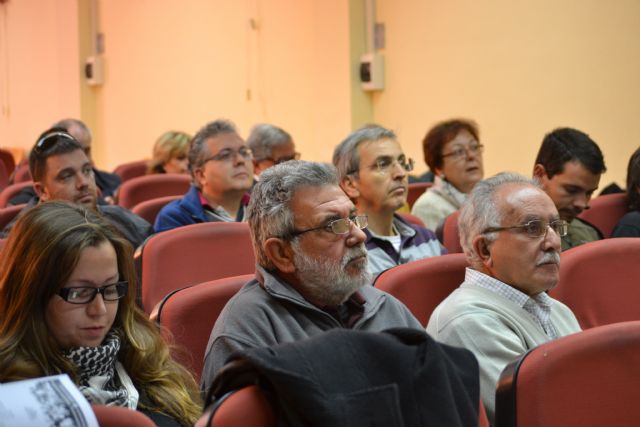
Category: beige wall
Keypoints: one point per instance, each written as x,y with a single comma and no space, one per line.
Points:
519,69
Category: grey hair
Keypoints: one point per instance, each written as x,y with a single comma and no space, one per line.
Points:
264,137
345,156
198,148
85,133
480,211
269,212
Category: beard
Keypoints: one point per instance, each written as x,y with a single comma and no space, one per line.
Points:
327,281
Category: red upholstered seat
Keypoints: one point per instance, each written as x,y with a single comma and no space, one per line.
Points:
22,173
586,379
605,211
415,190
600,280
411,219
193,254
450,234
116,416
190,313
12,190
149,209
246,407
129,170
142,188
422,285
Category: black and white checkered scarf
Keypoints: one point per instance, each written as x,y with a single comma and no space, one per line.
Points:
103,379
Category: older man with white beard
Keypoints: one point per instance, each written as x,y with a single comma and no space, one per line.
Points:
312,268
510,232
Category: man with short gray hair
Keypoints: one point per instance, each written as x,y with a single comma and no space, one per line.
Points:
312,268
222,171
374,171
510,232
270,145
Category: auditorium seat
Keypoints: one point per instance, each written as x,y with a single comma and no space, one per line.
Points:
422,285
22,173
246,407
142,188
411,219
415,190
599,281
588,379
149,209
189,315
450,234
6,158
129,170
193,254
605,211
117,416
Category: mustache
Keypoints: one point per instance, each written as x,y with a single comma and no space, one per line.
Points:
353,253
549,258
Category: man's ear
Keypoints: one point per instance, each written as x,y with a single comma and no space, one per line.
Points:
350,186
280,253
198,174
40,191
481,248
539,172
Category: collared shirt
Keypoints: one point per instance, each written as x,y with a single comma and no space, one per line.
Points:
349,312
538,306
218,213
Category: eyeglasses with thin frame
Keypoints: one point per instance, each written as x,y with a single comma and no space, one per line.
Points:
86,294
228,155
536,228
49,140
462,152
295,156
340,226
384,164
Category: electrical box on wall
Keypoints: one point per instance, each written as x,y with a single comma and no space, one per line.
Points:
94,70
372,71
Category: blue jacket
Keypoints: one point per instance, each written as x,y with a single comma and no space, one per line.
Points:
185,211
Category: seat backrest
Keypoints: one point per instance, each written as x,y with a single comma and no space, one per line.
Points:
189,315
599,281
422,285
247,407
149,209
117,416
193,254
142,188
129,170
22,173
8,161
451,235
7,214
605,211
586,379
415,190
12,190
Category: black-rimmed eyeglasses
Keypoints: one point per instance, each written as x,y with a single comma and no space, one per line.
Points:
228,154
51,139
86,294
462,152
340,226
536,228
384,164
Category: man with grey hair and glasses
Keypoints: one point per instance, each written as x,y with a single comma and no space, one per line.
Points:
312,268
270,145
222,171
374,171
510,232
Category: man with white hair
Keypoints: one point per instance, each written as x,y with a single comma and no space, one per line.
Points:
312,268
510,232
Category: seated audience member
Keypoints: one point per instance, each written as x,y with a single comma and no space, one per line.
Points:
629,225
270,145
106,182
62,171
453,152
67,298
170,153
222,171
568,167
510,233
373,172
312,268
